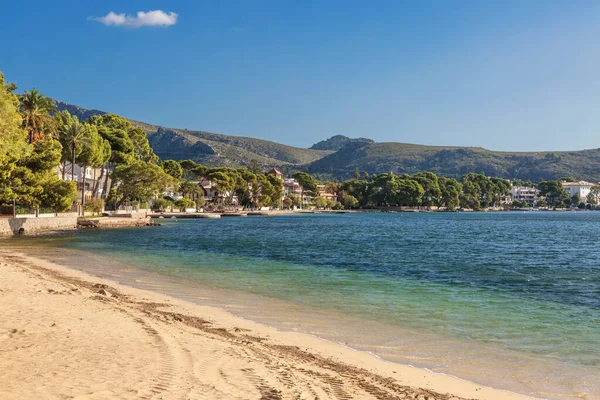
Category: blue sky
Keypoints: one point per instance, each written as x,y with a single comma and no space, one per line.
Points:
505,75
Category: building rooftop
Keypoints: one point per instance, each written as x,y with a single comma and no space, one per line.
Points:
580,183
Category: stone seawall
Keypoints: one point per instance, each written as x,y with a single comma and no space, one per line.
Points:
15,226
114,222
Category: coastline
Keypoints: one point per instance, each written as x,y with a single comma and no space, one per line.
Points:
219,355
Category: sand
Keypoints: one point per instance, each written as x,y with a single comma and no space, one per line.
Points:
65,334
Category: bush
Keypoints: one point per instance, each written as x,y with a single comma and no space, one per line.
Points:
162,204
320,202
184,203
349,201
94,205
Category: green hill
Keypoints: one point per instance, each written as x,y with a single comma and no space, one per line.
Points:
339,157
213,149
456,161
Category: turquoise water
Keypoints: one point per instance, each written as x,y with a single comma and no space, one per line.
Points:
527,284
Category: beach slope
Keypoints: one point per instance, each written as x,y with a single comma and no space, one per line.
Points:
66,334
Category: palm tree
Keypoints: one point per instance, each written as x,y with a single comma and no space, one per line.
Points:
36,109
75,135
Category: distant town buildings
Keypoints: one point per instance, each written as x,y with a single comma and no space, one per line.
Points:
94,178
581,188
525,194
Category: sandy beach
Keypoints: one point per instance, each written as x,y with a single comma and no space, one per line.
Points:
65,334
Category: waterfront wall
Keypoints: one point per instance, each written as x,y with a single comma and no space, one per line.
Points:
14,226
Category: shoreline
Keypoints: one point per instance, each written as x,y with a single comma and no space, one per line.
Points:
366,370
50,225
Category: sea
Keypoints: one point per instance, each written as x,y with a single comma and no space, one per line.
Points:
509,300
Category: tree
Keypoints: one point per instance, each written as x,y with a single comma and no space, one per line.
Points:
161,204
470,195
500,187
36,109
287,202
410,192
140,181
450,193
320,202
348,201
593,196
554,192
172,168
307,184
184,203
576,199
187,166
13,145
95,152
33,181
296,202
121,147
431,187
358,189
72,135
384,190
223,182
277,191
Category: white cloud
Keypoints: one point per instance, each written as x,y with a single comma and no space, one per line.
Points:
155,18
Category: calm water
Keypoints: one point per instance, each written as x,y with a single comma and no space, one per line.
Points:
506,299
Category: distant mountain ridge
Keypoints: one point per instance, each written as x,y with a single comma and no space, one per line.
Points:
339,156
213,149
335,143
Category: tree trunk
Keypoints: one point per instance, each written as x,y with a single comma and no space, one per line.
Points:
97,182
64,169
72,162
93,182
105,187
83,168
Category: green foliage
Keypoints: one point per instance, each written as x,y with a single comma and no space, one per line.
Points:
450,193
140,180
57,195
594,196
320,202
308,183
12,137
172,168
287,203
296,201
554,192
35,109
94,205
183,203
431,187
348,201
162,204
127,142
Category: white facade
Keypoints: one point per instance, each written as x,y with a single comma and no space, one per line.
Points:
523,193
92,177
581,188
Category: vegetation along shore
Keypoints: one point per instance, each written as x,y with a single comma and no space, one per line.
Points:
51,162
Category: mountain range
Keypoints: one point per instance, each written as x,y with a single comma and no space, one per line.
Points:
339,157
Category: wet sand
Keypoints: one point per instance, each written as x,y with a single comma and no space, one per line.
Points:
66,334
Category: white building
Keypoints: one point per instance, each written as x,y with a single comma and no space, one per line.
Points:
581,188
94,178
524,193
